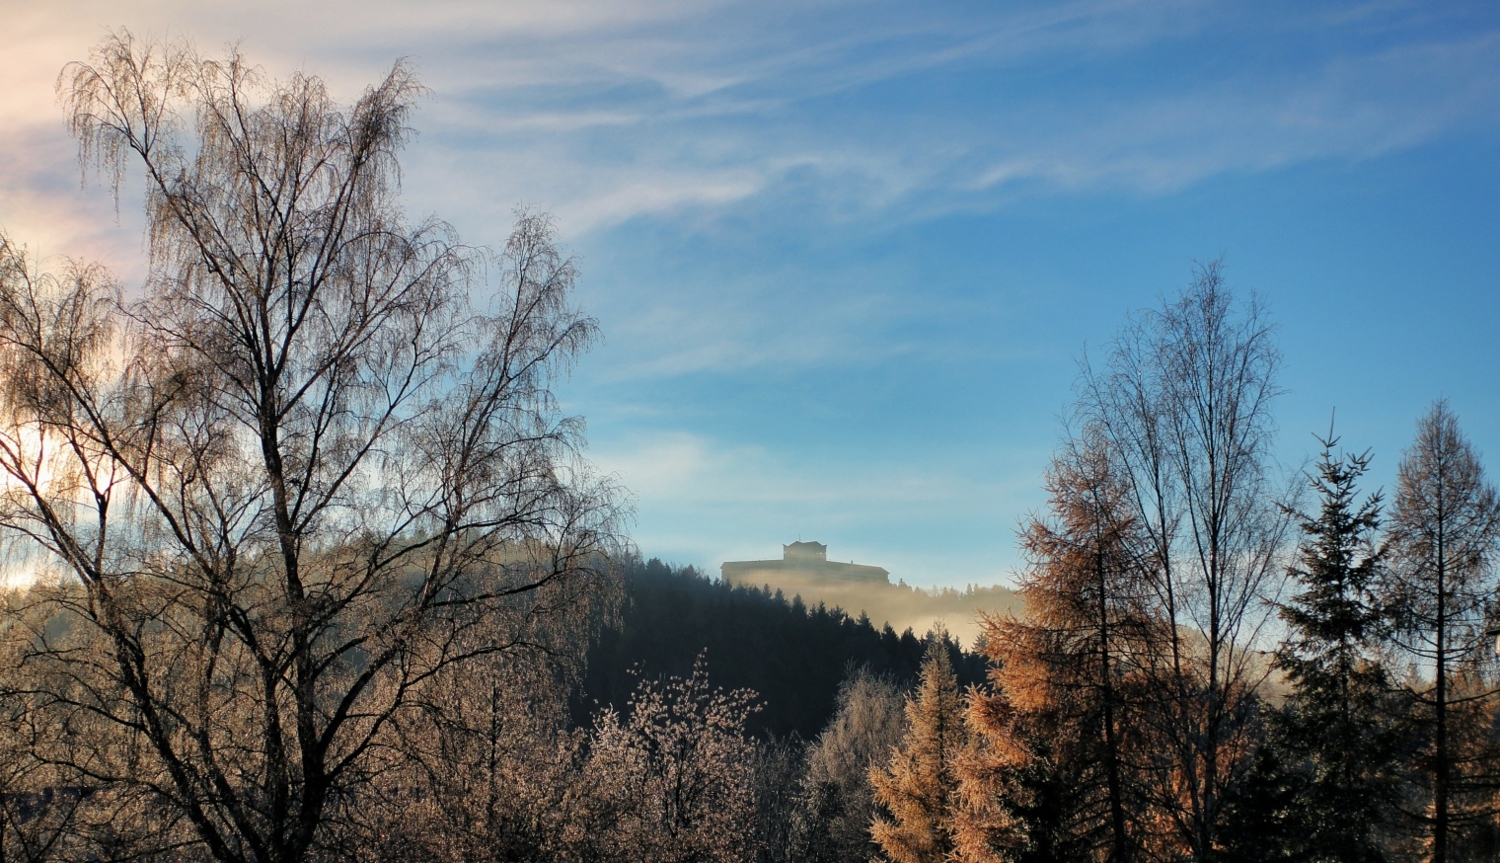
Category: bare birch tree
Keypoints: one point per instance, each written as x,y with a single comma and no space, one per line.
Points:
1184,404
302,473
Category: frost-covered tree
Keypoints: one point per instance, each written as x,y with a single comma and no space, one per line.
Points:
838,800
673,780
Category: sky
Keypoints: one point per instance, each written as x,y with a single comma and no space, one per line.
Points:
847,255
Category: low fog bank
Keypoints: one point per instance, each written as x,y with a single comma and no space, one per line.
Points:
900,604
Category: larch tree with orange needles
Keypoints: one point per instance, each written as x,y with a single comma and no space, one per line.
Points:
919,787
1057,729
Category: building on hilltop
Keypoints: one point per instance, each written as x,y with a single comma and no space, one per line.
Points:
800,551
801,560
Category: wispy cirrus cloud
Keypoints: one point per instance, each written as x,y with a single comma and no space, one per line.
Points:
884,111
607,111
829,113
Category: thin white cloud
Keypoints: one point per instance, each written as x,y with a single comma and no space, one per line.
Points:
685,111
607,111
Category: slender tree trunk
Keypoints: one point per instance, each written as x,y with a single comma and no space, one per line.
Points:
1440,775
1120,850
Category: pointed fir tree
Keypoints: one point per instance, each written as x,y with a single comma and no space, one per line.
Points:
919,788
1266,816
1335,723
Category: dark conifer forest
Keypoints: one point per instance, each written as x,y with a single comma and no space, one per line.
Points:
792,656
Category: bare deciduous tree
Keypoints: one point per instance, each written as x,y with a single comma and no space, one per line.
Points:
485,769
673,780
39,809
302,474
1444,534
1184,406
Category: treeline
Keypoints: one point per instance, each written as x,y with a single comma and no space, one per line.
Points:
486,762
794,656
901,605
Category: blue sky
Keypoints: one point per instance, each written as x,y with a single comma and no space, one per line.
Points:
847,254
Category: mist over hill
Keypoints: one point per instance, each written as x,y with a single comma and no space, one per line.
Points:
804,570
902,606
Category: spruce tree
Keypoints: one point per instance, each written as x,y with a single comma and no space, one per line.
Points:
920,786
1334,721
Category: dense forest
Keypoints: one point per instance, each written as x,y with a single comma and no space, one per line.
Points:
793,656
899,604
307,565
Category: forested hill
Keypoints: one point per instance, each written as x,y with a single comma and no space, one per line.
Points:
793,655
